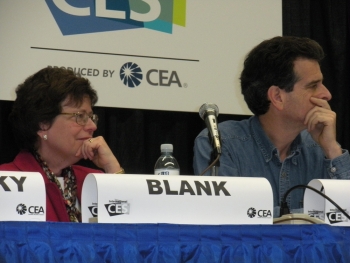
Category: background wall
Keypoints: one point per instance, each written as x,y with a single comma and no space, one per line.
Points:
189,51
135,135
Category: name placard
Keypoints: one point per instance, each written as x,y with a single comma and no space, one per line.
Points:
319,207
176,199
22,196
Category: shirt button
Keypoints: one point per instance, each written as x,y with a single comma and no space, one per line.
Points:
333,169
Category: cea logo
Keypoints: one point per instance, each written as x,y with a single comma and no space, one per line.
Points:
261,213
88,16
32,210
131,75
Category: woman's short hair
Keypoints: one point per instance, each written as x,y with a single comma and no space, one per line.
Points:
39,100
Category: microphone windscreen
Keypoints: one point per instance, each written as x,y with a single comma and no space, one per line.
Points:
208,107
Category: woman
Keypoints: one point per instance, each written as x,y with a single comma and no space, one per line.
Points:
53,124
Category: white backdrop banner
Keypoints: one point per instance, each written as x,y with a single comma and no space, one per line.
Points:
147,54
22,196
176,199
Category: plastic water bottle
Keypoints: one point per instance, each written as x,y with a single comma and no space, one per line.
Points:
166,163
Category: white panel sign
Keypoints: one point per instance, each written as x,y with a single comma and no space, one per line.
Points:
161,54
22,196
317,206
176,199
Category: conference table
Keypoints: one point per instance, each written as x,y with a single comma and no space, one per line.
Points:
100,242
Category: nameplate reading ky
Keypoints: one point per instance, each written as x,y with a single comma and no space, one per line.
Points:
22,196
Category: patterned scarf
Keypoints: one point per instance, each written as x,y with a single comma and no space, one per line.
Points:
70,188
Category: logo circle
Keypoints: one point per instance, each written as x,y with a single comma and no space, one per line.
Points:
251,212
21,209
131,74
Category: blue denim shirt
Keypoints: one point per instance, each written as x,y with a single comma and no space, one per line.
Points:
248,152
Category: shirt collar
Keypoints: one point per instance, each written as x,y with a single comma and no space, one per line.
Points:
266,147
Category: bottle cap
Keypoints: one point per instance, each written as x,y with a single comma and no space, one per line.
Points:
166,147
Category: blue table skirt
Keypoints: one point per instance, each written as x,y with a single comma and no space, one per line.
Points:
76,242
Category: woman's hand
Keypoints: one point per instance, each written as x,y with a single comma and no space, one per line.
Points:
97,150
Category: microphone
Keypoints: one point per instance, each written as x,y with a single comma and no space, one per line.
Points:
209,112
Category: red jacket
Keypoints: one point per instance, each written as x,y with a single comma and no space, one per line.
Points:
55,207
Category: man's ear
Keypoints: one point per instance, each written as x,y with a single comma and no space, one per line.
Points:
276,97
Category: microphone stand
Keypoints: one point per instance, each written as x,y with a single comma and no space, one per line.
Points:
214,163
214,171
215,156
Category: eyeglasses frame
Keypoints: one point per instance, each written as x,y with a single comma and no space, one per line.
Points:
93,117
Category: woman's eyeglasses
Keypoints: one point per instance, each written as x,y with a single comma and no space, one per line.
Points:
82,117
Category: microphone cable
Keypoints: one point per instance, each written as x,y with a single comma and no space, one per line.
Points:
212,164
284,209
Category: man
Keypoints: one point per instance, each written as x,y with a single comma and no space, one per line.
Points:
291,139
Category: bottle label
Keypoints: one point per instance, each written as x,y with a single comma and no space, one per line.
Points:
167,172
